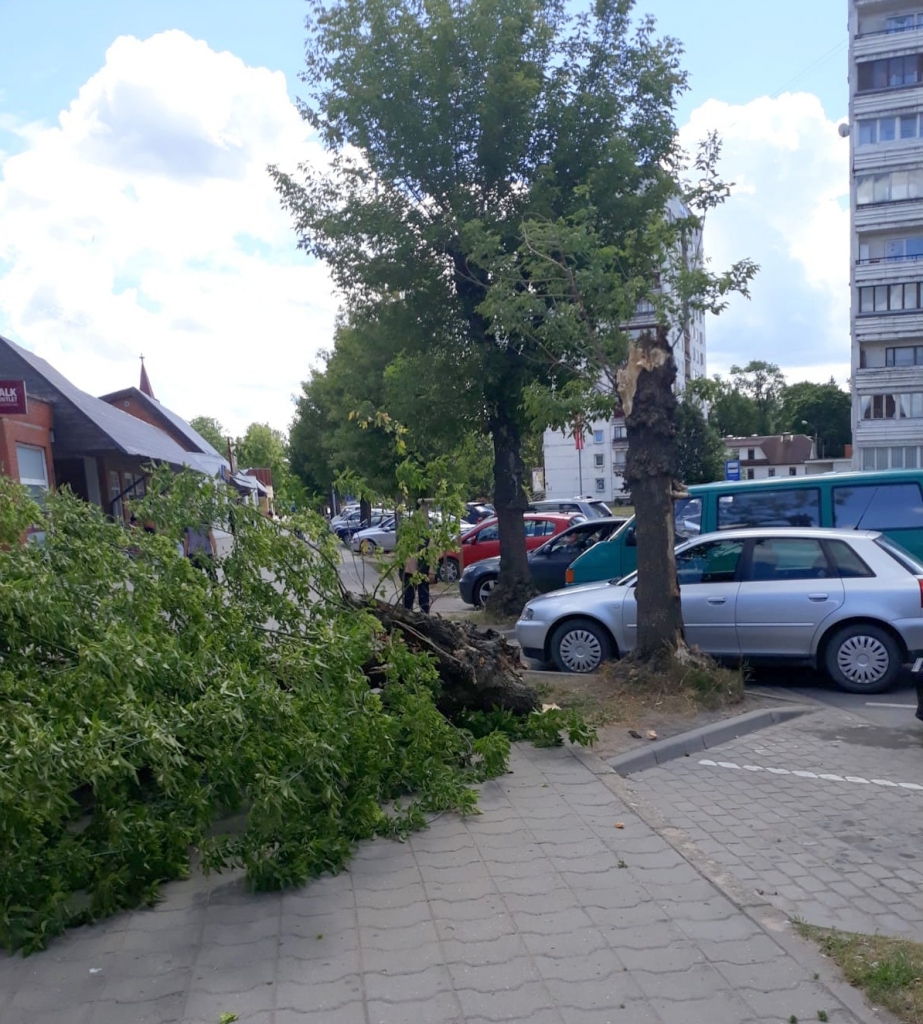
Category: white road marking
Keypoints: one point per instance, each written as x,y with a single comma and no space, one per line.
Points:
885,704
827,777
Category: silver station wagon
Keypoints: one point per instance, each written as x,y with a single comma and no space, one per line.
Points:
847,602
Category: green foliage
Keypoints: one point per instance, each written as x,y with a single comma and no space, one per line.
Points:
821,410
543,728
212,430
144,702
699,448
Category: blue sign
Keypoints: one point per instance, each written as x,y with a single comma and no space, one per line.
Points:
732,469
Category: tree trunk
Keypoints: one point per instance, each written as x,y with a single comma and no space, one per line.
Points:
365,511
646,390
514,585
478,669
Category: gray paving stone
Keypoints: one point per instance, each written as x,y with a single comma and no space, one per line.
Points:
521,914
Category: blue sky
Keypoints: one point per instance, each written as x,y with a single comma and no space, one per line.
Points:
93,267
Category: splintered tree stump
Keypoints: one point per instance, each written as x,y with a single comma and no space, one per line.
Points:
479,670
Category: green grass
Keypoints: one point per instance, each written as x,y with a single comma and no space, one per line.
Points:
888,971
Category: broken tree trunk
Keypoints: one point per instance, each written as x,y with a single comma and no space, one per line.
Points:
646,391
478,669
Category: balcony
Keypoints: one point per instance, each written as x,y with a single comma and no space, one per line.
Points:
888,269
885,378
884,42
906,325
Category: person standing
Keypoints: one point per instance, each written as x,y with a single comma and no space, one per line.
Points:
416,574
199,547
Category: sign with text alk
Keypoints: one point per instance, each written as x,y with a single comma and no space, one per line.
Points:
732,469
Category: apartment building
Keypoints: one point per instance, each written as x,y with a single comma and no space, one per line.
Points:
597,467
886,158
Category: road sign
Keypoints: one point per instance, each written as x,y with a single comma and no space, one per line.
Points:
13,398
732,469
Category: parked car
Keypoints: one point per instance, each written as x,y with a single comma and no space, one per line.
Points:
346,530
376,538
589,508
547,563
890,501
476,513
847,602
484,541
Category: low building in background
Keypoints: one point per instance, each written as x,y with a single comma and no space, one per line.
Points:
98,447
762,457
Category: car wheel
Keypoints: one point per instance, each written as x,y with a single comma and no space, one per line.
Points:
483,591
448,570
366,546
863,659
580,645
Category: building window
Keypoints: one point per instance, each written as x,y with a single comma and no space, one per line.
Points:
888,129
618,457
900,406
890,72
751,454
772,470
906,355
889,298
891,250
600,483
619,432
598,437
904,457
749,474
33,471
903,23
890,187
792,471
115,494
599,461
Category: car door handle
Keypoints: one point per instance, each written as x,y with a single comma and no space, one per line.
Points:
716,600
818,597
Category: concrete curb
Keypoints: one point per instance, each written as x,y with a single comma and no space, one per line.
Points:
701,739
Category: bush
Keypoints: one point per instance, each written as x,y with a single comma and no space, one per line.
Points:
144,702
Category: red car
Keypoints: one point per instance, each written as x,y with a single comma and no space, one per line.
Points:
484,540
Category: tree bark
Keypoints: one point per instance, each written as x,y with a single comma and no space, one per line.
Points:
514,584
502,393
646,390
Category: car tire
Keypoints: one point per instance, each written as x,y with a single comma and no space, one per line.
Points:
863,658
448,570
580,645
483,590
367,547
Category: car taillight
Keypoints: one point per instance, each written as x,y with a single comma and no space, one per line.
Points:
920,581
569,578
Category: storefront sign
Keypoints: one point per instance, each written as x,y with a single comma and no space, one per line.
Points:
13,398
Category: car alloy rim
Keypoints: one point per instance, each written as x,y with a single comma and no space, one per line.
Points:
365,547
485,589
863,659
580,650
450,571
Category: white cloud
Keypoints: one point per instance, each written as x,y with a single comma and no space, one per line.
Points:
789,213
145,221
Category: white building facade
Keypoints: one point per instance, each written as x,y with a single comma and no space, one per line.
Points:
598,469
886,258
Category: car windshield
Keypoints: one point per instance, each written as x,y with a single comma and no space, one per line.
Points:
601,509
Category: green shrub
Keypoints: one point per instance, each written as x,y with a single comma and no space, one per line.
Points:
142,703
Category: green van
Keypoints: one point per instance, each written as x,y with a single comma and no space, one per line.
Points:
891,502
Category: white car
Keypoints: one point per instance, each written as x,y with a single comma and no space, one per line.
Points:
847,602
376,538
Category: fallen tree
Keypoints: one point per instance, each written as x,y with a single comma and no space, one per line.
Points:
478,669
144,700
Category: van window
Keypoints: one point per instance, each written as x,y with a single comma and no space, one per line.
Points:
881,507
712,562
794,507
687,518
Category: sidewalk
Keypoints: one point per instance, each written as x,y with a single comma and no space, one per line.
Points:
539,910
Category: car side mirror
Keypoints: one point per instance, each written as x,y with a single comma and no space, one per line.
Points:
631,541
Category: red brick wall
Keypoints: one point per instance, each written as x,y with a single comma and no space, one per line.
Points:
33,429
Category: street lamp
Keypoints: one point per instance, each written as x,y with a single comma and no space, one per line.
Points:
805,423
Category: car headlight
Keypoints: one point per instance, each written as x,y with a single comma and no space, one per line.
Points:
528,612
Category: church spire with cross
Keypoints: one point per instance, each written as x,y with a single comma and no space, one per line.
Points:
145,386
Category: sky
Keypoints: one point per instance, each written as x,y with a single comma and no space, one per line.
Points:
137,217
